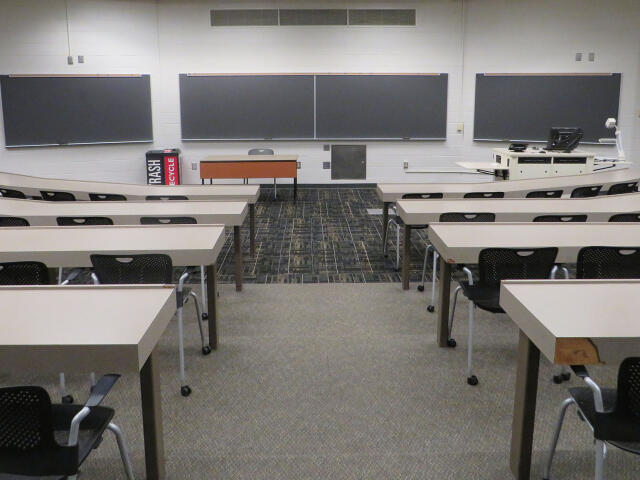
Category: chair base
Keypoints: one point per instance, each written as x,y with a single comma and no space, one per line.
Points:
472,380
67,399
185,390
431,308
206,350
451,343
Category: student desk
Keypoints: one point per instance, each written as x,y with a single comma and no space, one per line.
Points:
70,247
250,166
392,192
460,243
32,186
92,328
572,322
43,213
597,209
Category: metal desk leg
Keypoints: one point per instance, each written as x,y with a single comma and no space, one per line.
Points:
444,292
152,418
385,226
212,296
252,229
237,250
295,188
524,408
406,257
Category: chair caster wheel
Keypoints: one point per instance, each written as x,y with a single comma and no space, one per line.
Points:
566,376
431,308
421,288
67,399
451,343
472,380
206,350
205,317
185,390
557,379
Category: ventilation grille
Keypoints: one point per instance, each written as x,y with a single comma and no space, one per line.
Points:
243,18
382,17
313,17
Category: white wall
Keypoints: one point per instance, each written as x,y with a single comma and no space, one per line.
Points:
168,37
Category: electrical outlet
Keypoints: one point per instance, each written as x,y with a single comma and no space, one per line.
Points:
70,60
326,165
578,57
592,56
327,148
460,128
194,165
405,164
299,165
80,58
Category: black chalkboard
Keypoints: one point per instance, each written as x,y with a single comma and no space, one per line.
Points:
246,107
381,107
63,110
525,107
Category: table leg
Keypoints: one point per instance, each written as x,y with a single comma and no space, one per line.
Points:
295,188
252,229
152,417
444,294
524,407
385,226
212,296
237,250
406,257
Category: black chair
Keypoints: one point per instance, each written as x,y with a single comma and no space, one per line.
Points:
560,218
166,197
619,188
612,414
586,192
9,193
545,194
484,195
149,269
460,217
167,221
106,197
83,221
608,262
41,439
495,265
625,217
13,222
57,196
24,273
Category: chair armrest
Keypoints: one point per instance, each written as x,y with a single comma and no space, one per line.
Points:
94,277
469,275
581,371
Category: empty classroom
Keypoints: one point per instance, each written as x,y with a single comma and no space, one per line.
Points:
313,239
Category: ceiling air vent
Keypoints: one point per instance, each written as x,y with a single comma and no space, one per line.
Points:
244,18
313,17
382,17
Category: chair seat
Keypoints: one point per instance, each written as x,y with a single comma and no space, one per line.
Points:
620,430
485,298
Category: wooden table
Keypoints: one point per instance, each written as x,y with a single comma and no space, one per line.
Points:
423,212
572,322
460,243
43,213
250,166
92,328
69,247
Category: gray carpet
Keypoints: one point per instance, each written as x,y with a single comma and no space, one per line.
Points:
343,381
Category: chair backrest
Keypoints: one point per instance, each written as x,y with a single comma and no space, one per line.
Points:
628,395
545,194
167,221
467,217
24,273
166,197
261,151
560,218
9,193
57,196
484,195
13,222
627,187
584,192
106,197
608,262
25,419
625,217
496,264
119,269
421,196
83,221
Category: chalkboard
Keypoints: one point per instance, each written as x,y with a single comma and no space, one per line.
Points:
72,110
524,107
246,107
381,107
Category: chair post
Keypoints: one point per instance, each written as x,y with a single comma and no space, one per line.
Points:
556,435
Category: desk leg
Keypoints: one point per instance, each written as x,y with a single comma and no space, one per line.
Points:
202,181
237,250
252,229
444,294
152,418
524,408
406,257
385,227
212,297
295,188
